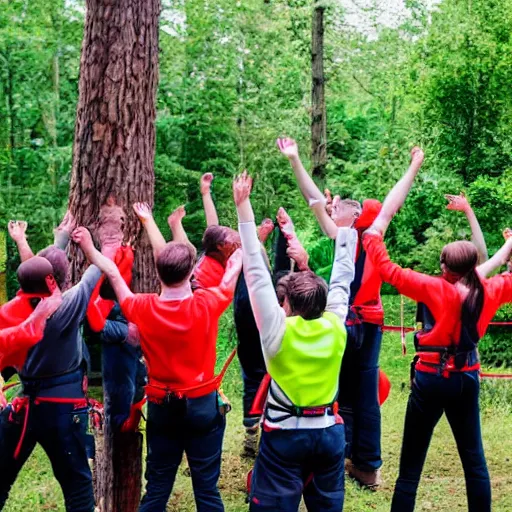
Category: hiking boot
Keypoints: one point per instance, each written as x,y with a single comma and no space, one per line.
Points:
250,449
369,479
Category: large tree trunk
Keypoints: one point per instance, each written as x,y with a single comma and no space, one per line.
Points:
113,159
318,113
113,153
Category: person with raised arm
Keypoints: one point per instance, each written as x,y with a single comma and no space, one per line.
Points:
178,335
359,376
210,211
302,443
446,367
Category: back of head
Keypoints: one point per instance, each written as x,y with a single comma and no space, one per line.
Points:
306,293
459,257
220,242
175,263
32,275
60,263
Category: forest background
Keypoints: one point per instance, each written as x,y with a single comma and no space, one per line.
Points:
234,75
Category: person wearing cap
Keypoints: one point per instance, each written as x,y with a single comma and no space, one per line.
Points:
52,410
359,376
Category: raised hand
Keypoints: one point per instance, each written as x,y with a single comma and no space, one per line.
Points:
242,186
328,204
298,254
265,228
176,216
457,203
343,214
206,183
143,211
417,156
17,230
288,147
507,233
83,238
285,223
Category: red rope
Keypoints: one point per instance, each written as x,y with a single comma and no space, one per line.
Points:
496,375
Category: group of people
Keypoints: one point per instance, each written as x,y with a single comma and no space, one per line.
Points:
308,350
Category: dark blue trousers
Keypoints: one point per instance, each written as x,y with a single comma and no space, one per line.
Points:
290,458
62,433
456,396
359,401
124,377
196,427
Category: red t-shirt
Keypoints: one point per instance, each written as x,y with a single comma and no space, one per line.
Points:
208,272
178,337
441,297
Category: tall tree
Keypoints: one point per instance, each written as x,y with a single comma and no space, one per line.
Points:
113,157
318,111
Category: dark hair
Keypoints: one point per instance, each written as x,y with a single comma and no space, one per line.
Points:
175,263
307,294
32,275
461,259
106,290
215,237
60,263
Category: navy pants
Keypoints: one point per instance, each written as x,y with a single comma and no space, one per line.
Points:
196,427
456,396
359,399
124,376
62,432
289,459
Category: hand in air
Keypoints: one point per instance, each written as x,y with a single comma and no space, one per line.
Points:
265,228
457,203
206,183
507,233
288,148
176,216
417,156
285,223
17,230
83,238
143,211
344,215
242,186
298,254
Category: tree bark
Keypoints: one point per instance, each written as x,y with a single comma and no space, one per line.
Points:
113,158
113,153
318,112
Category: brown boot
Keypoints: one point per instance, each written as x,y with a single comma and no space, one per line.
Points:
369,479
250,448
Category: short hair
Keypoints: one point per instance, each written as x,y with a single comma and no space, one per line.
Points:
307,294
353,204
32,275
175,262
60,263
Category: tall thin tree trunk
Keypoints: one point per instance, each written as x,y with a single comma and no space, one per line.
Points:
318,112
113,157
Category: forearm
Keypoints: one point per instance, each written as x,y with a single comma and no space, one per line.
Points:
477,236
210,211
61,238
24,250
394,200
306,184
155,236
178,233
327,225
497,261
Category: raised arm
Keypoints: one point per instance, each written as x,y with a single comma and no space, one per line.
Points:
145,215
269,316
343,269
312,194
82,237
17,231
396,197
175,224
210,211
461,204
498,260
62,233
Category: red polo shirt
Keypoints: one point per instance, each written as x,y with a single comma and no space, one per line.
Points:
178,337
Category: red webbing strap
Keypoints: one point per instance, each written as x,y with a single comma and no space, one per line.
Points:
20,403
496,375
397,328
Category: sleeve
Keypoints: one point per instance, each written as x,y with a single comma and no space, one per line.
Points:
88,282
418,287
21,337
114,332
342,272
61,239
501,287
131,306
269,316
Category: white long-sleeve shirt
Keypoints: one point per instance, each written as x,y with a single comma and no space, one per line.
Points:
270,316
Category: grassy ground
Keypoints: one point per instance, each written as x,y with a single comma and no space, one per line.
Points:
442,487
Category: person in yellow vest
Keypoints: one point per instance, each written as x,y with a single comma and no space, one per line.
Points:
303,440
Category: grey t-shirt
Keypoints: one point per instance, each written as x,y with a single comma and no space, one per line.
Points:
61,349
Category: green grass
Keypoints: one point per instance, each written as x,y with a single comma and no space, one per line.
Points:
441,489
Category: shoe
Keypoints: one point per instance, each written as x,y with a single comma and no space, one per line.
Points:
250,449
369,479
